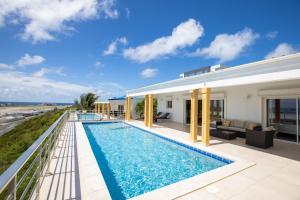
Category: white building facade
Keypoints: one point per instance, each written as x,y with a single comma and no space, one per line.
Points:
266,92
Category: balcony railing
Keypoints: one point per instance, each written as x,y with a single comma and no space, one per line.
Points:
25,175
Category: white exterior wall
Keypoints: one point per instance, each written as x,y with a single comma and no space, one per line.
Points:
114,105
243,103
177,106
240,102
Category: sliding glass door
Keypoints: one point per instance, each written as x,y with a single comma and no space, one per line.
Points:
216,110
283,115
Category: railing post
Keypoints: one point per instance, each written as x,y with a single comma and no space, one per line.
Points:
39,173
49,152
13,188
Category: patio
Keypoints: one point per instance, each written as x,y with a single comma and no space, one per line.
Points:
276,171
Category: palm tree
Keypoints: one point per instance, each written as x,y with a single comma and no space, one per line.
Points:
139,108
86,101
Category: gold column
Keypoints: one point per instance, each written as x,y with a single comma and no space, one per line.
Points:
108,111
98,108
103,109
146,115
194,115
205,132
150,109
128,108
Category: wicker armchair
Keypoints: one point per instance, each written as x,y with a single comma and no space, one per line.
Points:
261,139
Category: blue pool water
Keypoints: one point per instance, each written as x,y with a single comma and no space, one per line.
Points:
88,116
134,161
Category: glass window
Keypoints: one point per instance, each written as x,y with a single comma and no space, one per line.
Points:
216,109
169,104
282,115
120,108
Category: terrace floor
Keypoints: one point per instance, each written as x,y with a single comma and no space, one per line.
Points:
63,180
275,175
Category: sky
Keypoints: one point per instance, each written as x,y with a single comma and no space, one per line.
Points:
55,50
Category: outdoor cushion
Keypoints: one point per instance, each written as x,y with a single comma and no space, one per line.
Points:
237,123
226,123
232,128
270,128
251,125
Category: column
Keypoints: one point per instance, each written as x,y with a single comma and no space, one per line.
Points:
205,132
98,107
103,109
128,108
146,115
194,115
108,110
150,110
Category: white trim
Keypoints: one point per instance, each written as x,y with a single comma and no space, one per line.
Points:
280,92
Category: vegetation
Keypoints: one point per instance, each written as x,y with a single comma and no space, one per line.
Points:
139,108
86,101
16,141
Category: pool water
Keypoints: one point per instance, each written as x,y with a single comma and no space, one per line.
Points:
134,161
88,116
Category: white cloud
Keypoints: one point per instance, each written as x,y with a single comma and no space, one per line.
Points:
112,47
123,40
18,86
107,8
15,86
185,34
99,64
127,12
43,71
272,35
4,66
30,60
149,73
281,50
42,19
227,47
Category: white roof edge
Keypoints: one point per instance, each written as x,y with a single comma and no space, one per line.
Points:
101,101
234,68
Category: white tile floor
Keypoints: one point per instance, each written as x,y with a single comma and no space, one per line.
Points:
63,180
275,175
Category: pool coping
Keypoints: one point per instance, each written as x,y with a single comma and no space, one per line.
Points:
186,186
191,184
92,182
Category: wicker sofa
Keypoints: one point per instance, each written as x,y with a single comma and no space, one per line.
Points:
238,126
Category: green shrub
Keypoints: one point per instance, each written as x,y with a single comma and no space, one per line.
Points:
16,141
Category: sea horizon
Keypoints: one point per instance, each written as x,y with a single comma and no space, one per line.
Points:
27,103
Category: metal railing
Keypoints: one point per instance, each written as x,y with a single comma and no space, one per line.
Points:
91,115
23,178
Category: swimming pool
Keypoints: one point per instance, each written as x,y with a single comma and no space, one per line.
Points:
88,116
134,161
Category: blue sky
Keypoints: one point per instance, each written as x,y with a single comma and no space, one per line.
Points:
55,50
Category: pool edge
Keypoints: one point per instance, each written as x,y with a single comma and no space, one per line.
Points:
93,185
186,186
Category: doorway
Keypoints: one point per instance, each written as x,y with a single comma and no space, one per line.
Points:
283,115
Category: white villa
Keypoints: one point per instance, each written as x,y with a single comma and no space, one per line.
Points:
117,105
265,92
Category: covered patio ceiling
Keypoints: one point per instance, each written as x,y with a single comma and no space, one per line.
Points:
272,70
